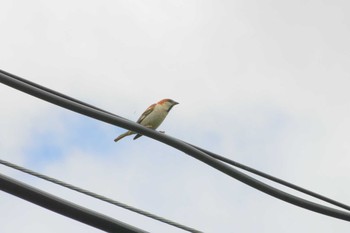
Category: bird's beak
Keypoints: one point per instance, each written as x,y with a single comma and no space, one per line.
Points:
175,103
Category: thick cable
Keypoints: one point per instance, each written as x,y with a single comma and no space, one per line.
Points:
64,207
178,144
219,157
275,179
97,196
52,91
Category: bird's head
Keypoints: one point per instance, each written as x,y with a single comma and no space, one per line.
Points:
168,104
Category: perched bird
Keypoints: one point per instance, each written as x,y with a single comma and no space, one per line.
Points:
152,117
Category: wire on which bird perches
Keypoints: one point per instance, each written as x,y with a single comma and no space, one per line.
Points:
175,143
219,157
275,179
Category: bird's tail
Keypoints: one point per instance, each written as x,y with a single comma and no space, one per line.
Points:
123,135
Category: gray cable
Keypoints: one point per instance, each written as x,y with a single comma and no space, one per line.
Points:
173,142
97,196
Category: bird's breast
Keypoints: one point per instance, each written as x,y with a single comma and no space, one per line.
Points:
154,119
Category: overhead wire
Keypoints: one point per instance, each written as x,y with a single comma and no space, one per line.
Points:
97,196
275,179
65,208
178,144
214,155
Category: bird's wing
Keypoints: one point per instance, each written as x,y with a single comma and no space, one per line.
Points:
146,113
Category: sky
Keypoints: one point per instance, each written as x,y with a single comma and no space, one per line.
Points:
265,83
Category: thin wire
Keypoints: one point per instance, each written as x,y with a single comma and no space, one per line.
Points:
175,143
97,196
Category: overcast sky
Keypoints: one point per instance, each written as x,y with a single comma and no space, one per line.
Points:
265,83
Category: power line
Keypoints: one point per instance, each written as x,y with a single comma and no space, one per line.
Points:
64,207
275,179
216,156
97,196
178,144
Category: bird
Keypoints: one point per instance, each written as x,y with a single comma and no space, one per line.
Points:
152,117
